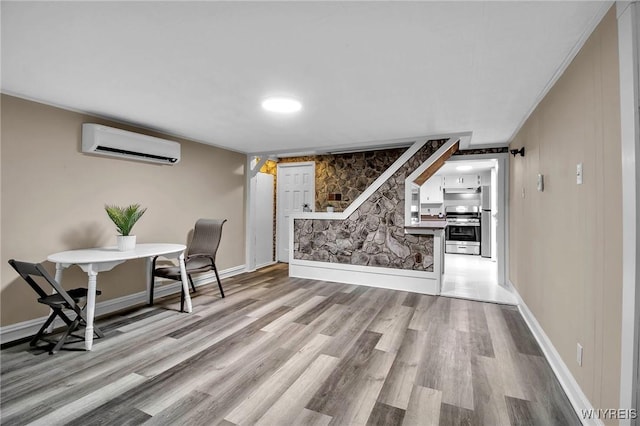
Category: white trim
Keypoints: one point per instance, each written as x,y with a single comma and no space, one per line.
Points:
297,163
255,169
264,265
577,398
410,185
507,224
29,328
629,56
371,276
503,218
249,211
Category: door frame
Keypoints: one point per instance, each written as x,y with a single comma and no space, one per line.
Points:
279,221
502,189
628,18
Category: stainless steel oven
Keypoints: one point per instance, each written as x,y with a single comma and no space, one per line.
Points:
463,230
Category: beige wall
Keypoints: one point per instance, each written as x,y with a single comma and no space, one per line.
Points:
565,242
53,199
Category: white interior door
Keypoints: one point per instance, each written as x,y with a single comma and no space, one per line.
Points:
264,220
296,187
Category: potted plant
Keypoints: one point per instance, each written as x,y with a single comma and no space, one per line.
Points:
124,218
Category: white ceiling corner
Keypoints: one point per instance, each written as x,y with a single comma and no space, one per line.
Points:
365,71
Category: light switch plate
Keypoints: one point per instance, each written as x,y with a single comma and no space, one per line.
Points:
579,173
579,355
540,182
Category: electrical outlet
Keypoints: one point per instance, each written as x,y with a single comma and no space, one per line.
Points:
579,355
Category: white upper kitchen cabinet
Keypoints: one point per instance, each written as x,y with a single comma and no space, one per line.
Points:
461,181
431,191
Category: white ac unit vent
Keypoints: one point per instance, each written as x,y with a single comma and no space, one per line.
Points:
103,140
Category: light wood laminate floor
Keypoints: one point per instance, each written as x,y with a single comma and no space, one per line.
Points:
285,351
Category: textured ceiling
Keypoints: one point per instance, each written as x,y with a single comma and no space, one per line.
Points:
366,72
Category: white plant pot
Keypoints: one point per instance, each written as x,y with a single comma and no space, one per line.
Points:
126,242
330,209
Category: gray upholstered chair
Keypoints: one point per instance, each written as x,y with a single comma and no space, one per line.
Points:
73,300
200,256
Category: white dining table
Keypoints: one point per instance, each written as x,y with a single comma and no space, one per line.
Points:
95,260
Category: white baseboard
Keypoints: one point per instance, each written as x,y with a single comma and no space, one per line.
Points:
262,265
372,276
207,278
29,328
578,399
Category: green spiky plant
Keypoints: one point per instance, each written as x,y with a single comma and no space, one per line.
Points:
124,217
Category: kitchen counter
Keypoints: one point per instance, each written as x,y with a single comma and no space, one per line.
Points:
426,227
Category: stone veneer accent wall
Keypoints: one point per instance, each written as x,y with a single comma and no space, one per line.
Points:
346,176
374,234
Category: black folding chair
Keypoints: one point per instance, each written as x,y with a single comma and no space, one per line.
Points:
74,300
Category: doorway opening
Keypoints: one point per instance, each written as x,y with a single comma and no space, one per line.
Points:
469,192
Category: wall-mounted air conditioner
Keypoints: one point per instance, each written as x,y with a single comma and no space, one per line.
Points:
103,140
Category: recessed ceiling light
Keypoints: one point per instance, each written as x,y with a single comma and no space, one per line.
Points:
282,105
464,168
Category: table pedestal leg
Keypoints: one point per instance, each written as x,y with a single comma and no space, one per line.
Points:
91,307
185,282
149,277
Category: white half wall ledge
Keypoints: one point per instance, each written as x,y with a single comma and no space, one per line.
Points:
572,389
369,276
21,330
